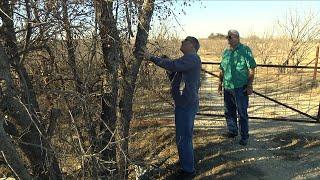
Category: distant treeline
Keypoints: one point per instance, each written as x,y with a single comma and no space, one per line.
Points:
217,36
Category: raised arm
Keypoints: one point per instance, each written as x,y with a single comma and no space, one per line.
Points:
182,64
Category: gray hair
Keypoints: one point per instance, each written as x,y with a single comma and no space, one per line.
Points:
235,32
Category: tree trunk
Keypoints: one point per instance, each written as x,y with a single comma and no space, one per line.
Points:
34,145
7,33
112,55
128,85
71,48
11,155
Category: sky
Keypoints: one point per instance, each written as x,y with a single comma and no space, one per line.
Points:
248,17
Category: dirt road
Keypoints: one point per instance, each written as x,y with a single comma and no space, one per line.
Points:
276,150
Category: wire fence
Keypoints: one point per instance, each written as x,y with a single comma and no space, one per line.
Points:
280,93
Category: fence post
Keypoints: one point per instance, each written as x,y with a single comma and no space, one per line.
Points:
318,117
316,65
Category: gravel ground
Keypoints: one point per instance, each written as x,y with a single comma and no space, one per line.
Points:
276,150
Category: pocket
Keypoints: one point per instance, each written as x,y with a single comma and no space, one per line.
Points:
241,65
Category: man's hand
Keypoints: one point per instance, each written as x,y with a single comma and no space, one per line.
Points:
220,82
220,89
164,56
144,54
248,90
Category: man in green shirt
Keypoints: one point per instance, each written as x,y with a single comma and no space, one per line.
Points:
236,76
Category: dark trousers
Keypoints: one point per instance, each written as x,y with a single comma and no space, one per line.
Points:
184,121
236,102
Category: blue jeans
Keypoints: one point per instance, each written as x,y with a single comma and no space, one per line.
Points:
184,121
236,100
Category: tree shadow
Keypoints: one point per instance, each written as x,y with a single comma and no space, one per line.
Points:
218,157
213,159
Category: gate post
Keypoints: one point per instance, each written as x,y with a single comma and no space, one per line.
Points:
316,65
318,117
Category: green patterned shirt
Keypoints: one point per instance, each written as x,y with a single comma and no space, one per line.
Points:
235,65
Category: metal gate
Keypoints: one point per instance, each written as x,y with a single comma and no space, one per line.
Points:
283,93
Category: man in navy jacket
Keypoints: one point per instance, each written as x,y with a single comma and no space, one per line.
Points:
185,83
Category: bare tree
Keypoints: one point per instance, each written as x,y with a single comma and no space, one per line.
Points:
263,47
70,43
23,107
7,148
118,127
58,59
112,55
128,84
301,32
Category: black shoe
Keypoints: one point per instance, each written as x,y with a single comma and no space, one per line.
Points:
181,174
230,135
243,142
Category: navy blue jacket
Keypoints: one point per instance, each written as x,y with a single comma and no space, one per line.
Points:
185,81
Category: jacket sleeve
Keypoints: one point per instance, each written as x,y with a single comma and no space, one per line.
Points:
179,65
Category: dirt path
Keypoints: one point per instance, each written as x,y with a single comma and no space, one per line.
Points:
276,150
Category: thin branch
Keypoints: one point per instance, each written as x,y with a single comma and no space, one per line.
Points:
6,14
5,159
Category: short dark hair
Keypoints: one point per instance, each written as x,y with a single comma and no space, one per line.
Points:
194,42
